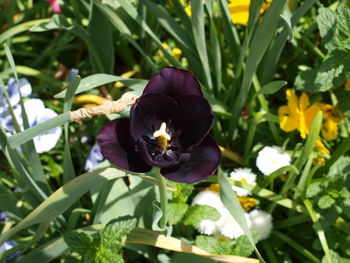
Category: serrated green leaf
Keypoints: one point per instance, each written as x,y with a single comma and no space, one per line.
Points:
78,242
195,214
182,192
343,18
325,202
326,21
175,212
108,256
313,189
330,75
113,235
340,167
214,246
243,247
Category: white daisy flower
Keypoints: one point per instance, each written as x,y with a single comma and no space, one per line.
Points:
271,159
244,175
226,225
210,198
230,228
261,222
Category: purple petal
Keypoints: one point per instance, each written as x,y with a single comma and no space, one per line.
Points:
117,146
174,82
194,120
198,166
149,112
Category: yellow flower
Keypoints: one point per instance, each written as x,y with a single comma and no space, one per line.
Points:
298,114
331,118
246,202
240,10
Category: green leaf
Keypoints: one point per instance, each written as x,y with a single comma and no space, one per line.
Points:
114,233
330,75
325,202
63,198
272,87
314,189
100,79
56,22
176,212
243,247
101,39
183,191
78,242
214,246
233,205
343,18
195,214
326,21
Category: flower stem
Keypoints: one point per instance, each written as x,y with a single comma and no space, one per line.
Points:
163,198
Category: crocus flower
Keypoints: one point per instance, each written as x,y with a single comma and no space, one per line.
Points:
36,113
95,157
7,246
13,92
168,128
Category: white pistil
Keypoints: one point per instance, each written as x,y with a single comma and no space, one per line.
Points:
162,136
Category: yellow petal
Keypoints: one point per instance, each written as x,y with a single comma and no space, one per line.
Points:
288,122
239,11
293,101
309,116
330,129
304,101
321,147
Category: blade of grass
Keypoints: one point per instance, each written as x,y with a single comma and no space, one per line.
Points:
299,248
100,79
260,42
132,12
63,198
28,134
37,171
231,202
198,29
68,167
274,53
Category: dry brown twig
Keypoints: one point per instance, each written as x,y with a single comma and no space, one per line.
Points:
106,108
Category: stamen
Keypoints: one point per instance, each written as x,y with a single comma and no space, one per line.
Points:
162,136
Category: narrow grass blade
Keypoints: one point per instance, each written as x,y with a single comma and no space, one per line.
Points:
28,134
299,248
63,198
15,30
269,195
274,53
258,47
37,171
100,79
271,87
233,205
56,247
199,39
132,12
68,167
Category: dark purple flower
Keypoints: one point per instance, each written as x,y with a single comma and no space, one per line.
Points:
168,128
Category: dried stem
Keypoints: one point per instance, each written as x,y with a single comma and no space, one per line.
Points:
106,108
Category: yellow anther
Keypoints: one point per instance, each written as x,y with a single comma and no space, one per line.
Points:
162,136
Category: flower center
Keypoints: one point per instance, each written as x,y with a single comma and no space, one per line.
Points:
162,136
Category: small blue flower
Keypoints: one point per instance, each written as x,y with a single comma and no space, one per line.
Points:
7,246
13,91
3,216
73,72
95,157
